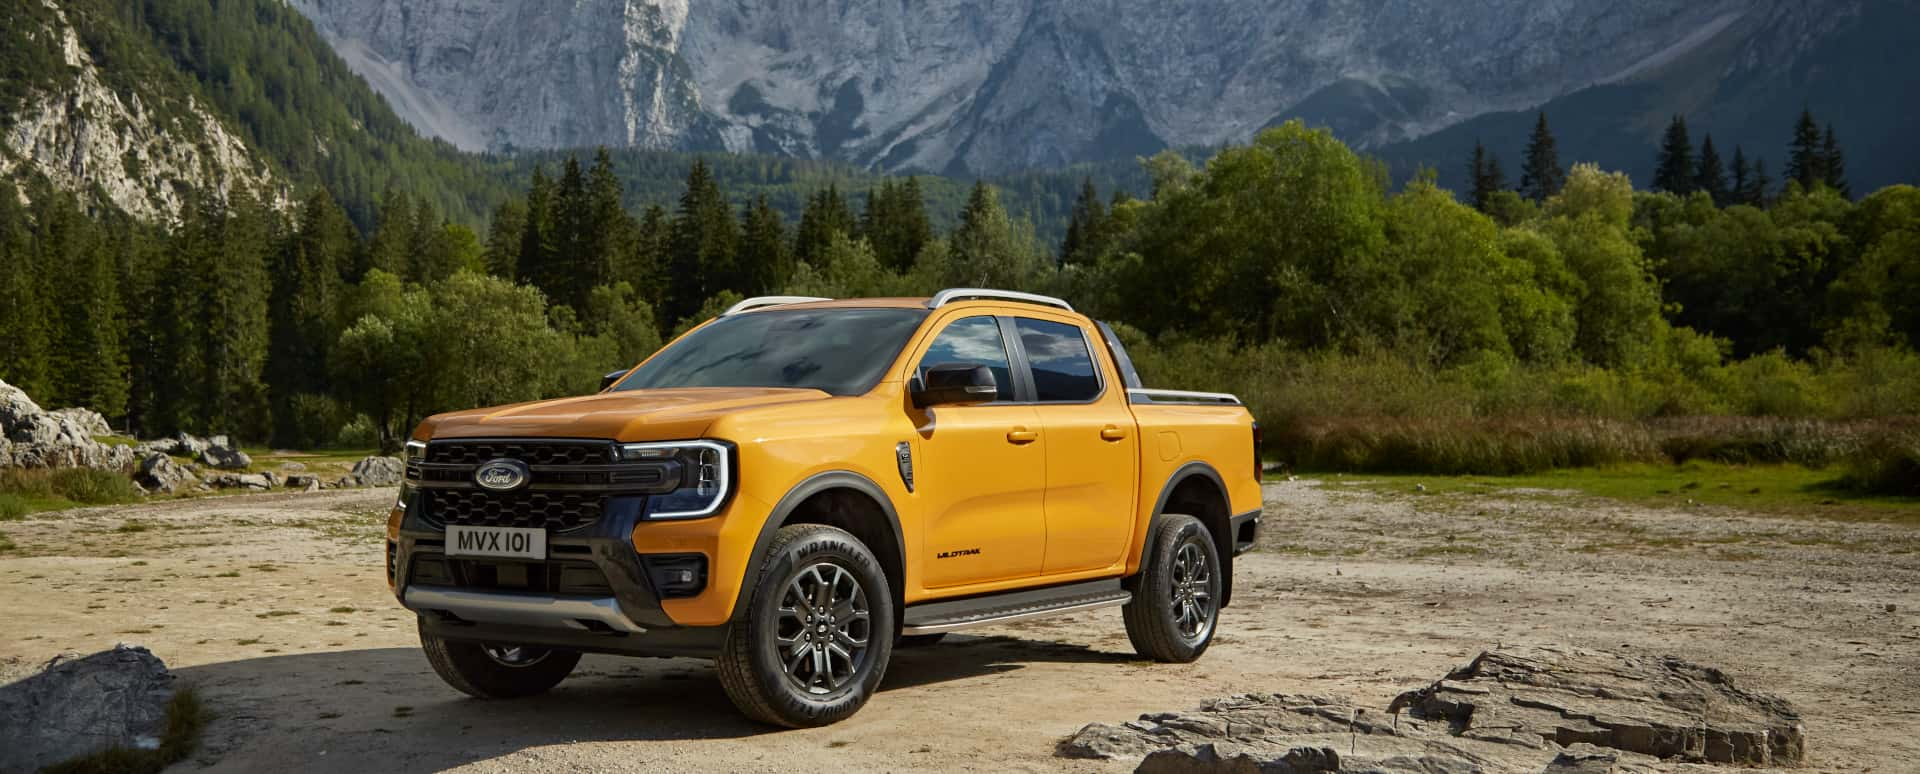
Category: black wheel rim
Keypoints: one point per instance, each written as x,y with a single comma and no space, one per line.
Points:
1192,592
516,656
823,629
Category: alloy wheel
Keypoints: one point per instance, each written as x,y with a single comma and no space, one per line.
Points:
824,627
1192,592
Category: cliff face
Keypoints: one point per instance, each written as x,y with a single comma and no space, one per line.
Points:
975,86
80,134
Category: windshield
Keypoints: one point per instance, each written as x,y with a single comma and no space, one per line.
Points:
837,351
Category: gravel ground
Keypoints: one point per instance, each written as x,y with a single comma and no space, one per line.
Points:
274,605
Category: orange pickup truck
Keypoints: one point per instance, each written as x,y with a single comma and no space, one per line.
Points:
800,485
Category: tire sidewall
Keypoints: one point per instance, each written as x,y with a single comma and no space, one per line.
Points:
844,550
1176,534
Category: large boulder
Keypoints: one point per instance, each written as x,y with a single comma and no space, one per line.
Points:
77,705
223,457
377,471
1663,707
53,439
86,419
259,482
158,472
1519,710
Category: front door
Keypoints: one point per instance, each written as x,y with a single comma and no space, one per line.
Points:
981,477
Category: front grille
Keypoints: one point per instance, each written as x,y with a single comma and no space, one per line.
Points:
530,452
557,511
556,576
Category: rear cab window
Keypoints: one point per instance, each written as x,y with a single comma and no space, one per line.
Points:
1060,360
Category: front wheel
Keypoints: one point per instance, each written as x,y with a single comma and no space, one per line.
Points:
817,634
1176,605
496,671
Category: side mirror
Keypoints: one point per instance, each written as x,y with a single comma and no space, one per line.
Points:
609,379
950,383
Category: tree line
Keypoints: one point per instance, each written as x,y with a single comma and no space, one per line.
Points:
300,329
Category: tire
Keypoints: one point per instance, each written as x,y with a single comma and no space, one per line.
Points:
1176,604
783,664
919,640
489,671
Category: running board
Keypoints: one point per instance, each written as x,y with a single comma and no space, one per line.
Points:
946,616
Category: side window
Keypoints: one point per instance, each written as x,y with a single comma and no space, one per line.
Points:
973,341
1063,369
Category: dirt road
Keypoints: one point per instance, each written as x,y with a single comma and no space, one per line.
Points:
275,607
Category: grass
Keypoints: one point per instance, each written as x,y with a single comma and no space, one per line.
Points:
24,491
186,719
1783,489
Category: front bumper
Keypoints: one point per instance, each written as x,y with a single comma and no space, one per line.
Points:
593,594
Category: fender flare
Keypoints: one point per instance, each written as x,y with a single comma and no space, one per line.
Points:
789,502
1222,538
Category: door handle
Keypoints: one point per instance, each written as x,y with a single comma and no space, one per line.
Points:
1113,433
1021,435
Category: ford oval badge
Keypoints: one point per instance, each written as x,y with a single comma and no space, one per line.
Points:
503,475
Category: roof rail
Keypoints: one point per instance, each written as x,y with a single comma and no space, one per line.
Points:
762,302
951,295
1137,395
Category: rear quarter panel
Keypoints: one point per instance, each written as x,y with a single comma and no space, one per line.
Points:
1172,436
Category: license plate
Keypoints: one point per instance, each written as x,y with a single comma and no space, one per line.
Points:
503,542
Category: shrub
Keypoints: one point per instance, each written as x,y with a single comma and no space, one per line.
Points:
1887,464
93,487
1761,440
13,506
1460,446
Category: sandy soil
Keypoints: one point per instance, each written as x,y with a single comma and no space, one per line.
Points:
275,607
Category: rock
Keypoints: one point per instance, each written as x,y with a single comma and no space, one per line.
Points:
377,471
255,481
85,419
53,439
1663,707
160,473
1583,758
223,457
293,467
79,705
1292,733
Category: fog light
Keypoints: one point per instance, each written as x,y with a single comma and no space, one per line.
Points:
677,575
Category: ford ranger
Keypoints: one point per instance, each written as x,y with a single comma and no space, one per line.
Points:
801,485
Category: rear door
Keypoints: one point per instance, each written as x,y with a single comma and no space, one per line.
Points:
982,479
1092,447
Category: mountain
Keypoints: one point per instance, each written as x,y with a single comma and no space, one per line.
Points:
1854,65
970,87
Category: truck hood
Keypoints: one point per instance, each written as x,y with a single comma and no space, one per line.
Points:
632,415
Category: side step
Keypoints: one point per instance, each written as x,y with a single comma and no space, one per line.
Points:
948,615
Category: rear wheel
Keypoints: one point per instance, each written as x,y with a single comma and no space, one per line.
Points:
811,649
1177,602
496,671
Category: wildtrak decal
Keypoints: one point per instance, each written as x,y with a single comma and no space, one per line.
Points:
958,552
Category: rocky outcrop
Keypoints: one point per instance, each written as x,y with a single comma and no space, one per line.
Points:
35,438
985,86
1522,710
223,457
78,705
84,136
1662,707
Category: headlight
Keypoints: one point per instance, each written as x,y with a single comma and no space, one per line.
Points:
706,476
416,451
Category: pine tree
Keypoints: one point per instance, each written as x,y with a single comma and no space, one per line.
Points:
1710,175
610,230
1542,176
537,246
565,275
1742,178
1086,227
826,214
645,260
25,313
504,232
1806,163
702,244
1759,192
763,263
1833,164
89,359
390,249
1675,171
1486,175
307,291
896,224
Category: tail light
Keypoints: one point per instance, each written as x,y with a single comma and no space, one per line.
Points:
1256,450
